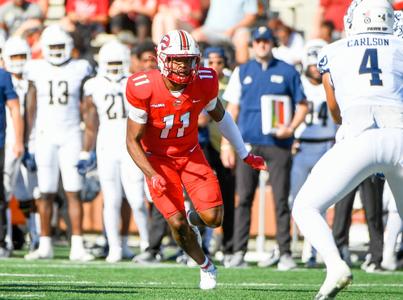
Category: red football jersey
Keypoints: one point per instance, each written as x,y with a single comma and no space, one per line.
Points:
171,127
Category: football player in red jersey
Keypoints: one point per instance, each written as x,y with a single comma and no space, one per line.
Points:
162,140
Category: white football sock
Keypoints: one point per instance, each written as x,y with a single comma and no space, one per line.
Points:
45,244
77,243
112,219
392,229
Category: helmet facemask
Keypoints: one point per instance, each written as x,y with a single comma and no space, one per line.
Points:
15,63
178,48
181,72
114,60
56,45
16,54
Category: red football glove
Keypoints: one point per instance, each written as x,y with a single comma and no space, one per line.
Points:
256,162
158,184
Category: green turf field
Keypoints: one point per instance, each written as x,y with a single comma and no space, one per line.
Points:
61,279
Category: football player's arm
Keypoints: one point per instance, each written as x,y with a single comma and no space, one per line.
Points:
31,108
230,131
134,134
331,98
18,124
227,154
91,121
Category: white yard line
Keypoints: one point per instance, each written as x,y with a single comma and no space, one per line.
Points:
179,284
33,275
23,296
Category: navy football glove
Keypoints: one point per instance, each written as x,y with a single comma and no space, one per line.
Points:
28,161
87,162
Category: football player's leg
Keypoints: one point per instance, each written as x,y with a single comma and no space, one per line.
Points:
395,179
350,162
72,183
48,177
30,182
133,185
393,227
172,207
109,177
301,166
204,191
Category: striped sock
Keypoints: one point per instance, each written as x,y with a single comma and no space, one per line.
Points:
207,263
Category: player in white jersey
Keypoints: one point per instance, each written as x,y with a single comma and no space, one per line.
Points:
314,136
393,227
20,178
363,79
54,93
106,105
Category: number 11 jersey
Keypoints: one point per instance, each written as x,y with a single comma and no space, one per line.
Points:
170,118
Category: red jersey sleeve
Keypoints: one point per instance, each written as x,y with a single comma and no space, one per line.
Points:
138,91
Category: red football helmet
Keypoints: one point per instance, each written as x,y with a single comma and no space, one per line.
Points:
178,44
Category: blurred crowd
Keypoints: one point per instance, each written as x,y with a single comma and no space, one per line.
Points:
231,33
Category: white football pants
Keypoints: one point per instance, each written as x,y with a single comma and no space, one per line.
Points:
116,169
340,170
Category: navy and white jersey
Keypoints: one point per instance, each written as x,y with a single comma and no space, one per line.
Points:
366,70
21,88
318,122
7,92
248,86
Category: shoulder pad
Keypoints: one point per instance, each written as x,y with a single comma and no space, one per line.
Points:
140,85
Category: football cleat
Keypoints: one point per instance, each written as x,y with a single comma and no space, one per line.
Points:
237,260
127,253
114,255
336,279
4,253
286,263
80,255
39,254
208,277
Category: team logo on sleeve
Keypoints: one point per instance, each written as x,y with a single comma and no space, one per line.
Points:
322,65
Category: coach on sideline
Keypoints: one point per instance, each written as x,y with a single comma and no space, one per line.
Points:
8,97
263,92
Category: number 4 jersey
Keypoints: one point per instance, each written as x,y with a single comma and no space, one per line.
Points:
58,90
366,69
171,118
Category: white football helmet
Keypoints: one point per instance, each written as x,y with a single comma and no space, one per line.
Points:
311,52
369,16
178,43
16,46
114,60
56,45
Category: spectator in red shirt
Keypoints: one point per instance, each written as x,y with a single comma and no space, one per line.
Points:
331,10
133,15
85,19
176,14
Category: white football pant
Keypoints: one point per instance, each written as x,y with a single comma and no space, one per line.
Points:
340,170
